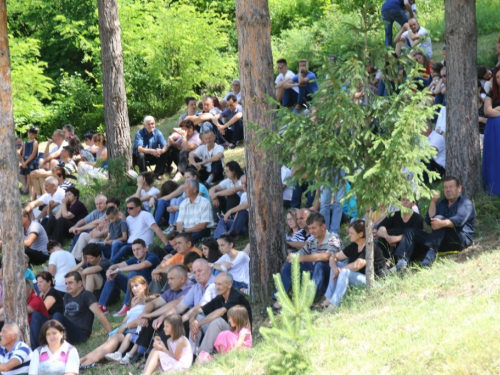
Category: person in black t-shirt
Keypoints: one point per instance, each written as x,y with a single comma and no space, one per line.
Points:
215,312
92,267
352,273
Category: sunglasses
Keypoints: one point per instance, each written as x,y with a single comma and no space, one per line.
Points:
444,75
19,145
130,208
280,67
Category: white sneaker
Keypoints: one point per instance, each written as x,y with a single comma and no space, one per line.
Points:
178,176
125,360
116,356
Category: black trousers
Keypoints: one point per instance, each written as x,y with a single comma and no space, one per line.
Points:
433,167
216,169
180,158
36,257
225,204
58,229
142,160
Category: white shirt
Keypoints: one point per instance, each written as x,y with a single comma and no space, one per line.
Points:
58,196
64,261
204,153
191,214
65,360
287,191
424,40
244,198
438,142
229,184
441,121
288,74
140,227
239,266
153,192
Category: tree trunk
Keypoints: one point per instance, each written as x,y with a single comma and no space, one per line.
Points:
463,158
14,290
370,274
113,82
265,193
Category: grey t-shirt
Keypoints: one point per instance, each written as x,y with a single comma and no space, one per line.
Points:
40,243
77,310
94,215
185,114
116,229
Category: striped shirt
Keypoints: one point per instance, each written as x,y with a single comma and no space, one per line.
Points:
301,236
191,214
331,244
19,351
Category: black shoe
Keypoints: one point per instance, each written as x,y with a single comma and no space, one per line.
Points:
138,357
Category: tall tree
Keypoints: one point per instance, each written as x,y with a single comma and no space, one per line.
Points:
265,192
14,296
463,158
115,97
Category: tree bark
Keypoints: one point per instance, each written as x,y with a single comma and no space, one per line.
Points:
115,97
14,290
463,158
370,273
265,193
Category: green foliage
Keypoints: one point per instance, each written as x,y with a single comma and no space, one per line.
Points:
288,14
288,338
30,87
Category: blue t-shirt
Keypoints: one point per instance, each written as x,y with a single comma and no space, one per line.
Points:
146,272
228,114
313,83
393,4
152,141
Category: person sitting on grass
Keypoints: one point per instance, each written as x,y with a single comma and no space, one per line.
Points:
233,261
93,268
184,140
302,237
291,223
146,191
14,354
210,249
142,264
176,356
127,332
227,193
51,199
117,231
60,263
208,159
189,259
235,220
52,299
352,273
313,258
35,240
80,308
55,356
452,220
239,335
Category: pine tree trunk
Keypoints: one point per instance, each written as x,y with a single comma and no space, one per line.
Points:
370,274
115,97
14,291
265,193
463,157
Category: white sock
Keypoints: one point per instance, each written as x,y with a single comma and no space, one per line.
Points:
210,179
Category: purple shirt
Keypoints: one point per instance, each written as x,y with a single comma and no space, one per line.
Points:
171,295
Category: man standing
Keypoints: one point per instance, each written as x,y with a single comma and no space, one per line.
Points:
412,35
142,264
286,96
452,220
393,10
215,312
80,308
307,84
141,225
150,147
15,355
314,257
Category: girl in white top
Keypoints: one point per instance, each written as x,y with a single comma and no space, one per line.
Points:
146,192
234,262
177,355
55,356
126,333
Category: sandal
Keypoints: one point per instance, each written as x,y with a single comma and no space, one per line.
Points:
116,356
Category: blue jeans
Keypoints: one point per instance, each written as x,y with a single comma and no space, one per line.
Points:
320,273
239,285
331,284
289,98
389,16
238,225
346,278
119,251
305,93
106,250
161,210
73,333
172,219
298,190
119,282
332,212
37,319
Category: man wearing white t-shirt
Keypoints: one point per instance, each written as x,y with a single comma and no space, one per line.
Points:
235,220
51,199
287,97
412,35
208,158
438,163
287,190
141,224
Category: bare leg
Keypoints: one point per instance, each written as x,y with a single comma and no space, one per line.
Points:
152,362
125,344
93,282
97,354
399,47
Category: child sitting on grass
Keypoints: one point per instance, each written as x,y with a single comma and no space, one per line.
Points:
178,356
239,336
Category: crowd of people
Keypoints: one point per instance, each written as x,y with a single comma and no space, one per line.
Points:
185,301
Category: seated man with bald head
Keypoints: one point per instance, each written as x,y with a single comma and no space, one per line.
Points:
215,313
51,199
15,355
